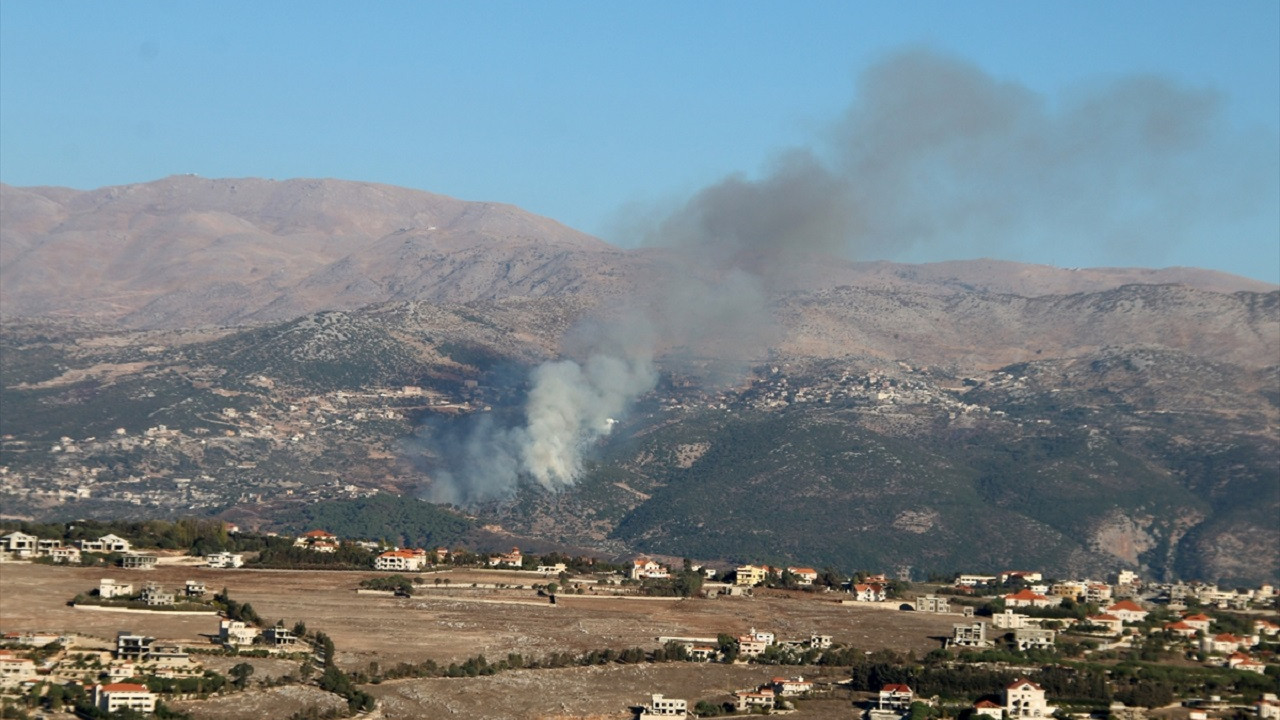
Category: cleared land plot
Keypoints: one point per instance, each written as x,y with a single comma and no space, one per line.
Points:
593,692
270,704
454,623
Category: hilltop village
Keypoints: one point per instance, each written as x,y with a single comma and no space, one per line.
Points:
1011,644
230,446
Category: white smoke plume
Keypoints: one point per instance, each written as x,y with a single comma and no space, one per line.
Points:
570,405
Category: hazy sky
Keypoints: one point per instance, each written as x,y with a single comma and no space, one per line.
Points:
597,113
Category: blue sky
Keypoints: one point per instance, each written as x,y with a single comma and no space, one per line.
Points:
592,113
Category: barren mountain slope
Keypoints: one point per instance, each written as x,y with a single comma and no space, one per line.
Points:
187,251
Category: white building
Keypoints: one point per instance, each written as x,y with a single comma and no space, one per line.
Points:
659,706
108,588
224,560
785,687
1008,620
19,544
969,635
402,560
106,544
867,593
234,633
1033,638
138,561
15,670
118,696
69,555
750,699
154,595
643,567
1128,611
1268,708
1025,699
895,696
933,604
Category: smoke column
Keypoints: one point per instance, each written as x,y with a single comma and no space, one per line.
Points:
933,152
569,406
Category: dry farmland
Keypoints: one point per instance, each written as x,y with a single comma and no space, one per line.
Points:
454,620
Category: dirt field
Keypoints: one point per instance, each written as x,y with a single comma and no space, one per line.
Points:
271,704
593,692
454,621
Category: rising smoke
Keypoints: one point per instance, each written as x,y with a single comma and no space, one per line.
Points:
933,153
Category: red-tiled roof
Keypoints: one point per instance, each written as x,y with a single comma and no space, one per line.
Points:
895,687
399,553
124,687
1129,605
1020,682
986,704
1025,594
1105,617
319,534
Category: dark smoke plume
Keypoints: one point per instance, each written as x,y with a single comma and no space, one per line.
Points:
933,152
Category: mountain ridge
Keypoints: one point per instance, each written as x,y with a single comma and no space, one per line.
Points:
186,251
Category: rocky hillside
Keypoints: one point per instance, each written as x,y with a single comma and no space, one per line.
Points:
242,347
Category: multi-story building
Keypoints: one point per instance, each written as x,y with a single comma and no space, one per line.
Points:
279,636
130,646
19,544
659,706
401,560
224,560
234,633
751,575
1025,699
933,604
969,635
138,561
1033,638
121,696
154,595
108,588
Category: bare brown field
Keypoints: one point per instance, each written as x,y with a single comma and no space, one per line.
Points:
453,622
598,692
269,704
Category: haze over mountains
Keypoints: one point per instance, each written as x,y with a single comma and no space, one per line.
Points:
1082,417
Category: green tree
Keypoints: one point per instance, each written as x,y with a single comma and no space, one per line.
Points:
241,674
